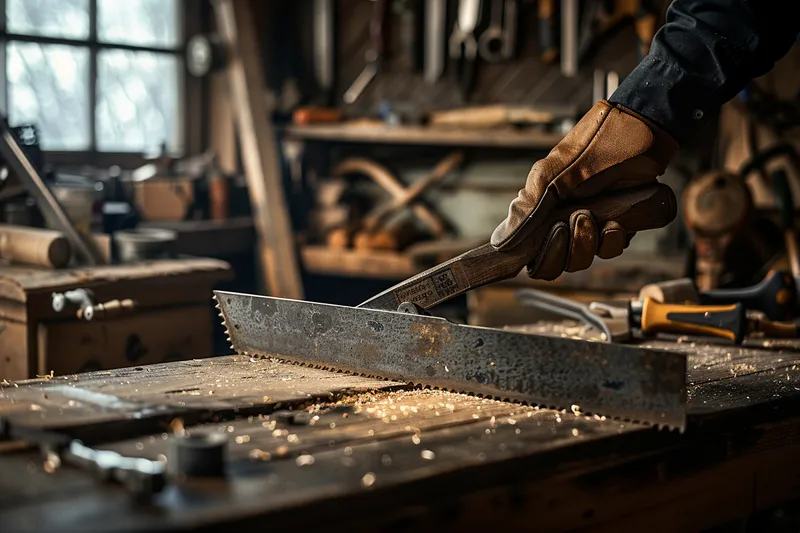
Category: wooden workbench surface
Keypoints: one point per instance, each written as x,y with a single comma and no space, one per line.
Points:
373,455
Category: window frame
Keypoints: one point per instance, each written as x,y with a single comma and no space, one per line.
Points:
194,18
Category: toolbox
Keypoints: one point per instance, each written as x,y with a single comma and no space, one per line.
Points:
76,320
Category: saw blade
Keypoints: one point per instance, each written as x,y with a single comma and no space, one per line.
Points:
618,381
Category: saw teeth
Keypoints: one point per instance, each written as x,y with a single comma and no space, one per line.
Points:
420,386
225,324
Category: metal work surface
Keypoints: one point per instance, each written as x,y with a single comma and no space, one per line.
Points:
612,380
307,446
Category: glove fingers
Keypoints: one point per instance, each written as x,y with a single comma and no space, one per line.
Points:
584,242
613,240
553,259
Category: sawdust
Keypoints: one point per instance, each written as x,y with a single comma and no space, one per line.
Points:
368,480
742,368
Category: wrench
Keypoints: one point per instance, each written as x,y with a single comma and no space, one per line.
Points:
140,476
510,29
463,45
492,41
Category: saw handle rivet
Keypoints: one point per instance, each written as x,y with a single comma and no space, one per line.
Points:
412,309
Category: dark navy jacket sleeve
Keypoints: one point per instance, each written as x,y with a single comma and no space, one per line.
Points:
703,55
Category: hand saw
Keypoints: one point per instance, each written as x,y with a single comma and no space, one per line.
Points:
391,337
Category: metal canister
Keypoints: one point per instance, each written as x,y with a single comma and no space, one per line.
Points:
145,243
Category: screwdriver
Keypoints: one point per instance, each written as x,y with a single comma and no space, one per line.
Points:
725,321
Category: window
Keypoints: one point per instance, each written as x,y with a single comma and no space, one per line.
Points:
96,75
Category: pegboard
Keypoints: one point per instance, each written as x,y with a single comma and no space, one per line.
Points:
524,80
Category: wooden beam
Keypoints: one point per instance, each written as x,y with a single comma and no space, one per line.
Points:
276,243
222,136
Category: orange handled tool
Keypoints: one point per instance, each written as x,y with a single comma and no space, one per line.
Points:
649,316
726,321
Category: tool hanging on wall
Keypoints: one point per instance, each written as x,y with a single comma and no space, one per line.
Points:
324,41
464,45
510,26
408,15
435,20
569,38
492,41
375,52
548,43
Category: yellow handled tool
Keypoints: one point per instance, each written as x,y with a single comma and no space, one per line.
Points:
726,321
650,316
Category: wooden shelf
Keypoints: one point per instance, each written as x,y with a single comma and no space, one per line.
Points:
419,135
212,238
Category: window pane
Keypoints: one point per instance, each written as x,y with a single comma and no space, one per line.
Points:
137,101
54,18
48,86
139,22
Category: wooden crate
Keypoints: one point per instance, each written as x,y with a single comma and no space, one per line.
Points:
171,321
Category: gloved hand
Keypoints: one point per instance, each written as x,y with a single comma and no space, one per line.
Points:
610,149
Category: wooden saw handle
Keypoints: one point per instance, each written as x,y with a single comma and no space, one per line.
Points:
485,264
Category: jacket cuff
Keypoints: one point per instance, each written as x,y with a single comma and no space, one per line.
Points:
668,96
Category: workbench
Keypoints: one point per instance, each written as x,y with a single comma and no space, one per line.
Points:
367,455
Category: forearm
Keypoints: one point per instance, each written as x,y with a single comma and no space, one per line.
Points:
703,56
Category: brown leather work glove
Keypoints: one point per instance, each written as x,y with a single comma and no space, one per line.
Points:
610,149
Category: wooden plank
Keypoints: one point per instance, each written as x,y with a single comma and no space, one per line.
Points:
709,362
419,135
148,395
221,131
277,248
16,281
357,263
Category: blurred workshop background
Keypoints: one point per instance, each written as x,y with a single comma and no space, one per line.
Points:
325,149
